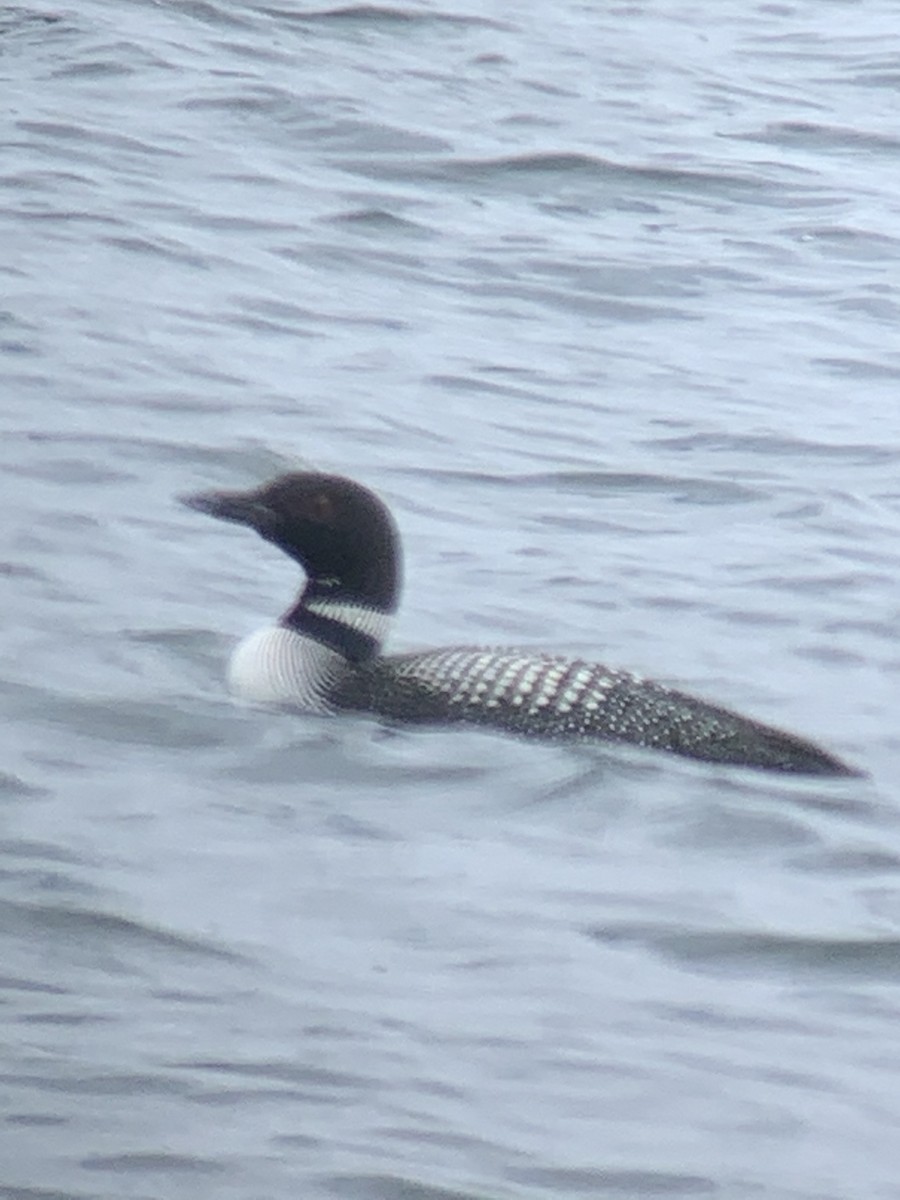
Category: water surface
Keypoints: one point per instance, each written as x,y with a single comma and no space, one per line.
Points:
603,301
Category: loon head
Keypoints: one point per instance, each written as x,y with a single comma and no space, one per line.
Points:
340,533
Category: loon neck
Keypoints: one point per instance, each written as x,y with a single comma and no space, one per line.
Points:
349,626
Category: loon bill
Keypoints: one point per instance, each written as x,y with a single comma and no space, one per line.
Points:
325,654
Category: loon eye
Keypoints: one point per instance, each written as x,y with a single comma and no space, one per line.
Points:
321,507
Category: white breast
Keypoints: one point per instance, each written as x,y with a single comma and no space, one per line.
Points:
279,666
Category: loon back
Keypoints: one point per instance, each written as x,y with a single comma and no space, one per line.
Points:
324,655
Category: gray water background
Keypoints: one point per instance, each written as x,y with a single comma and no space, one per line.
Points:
604,300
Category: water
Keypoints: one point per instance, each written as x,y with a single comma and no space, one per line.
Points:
603,300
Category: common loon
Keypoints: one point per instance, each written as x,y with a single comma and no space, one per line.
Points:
324,654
